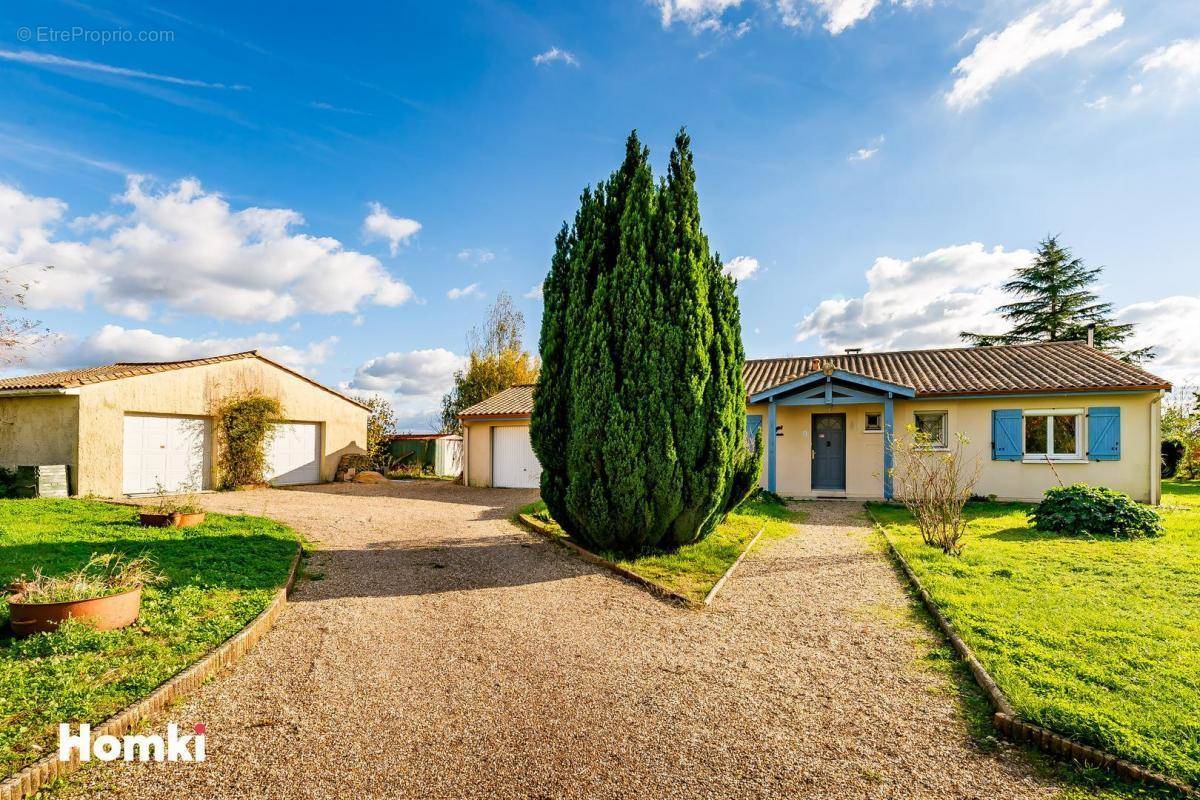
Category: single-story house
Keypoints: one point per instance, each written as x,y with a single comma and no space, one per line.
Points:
127,428
1032,414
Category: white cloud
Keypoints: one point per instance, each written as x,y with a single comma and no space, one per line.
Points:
1169,326
922,302
696,13
741,268
1178,63
413,382
927,301
555,54
1055,27
535,293
470,290
113,343
476,255
186,249
837,16
60,63
1099,104
868,152
380,224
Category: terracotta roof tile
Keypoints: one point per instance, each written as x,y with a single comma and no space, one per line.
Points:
517,401
1013,369
74,378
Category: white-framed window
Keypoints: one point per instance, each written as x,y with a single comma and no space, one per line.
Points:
873,422
935,424
1053,433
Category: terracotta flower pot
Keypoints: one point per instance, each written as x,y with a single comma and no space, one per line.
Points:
105,613
151,519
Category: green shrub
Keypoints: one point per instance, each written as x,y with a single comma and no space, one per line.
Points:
244,425
1094,511
747,471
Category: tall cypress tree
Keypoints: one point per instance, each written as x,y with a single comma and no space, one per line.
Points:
1055,303
638,412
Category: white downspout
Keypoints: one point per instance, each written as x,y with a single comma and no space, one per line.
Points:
466,455
1156,450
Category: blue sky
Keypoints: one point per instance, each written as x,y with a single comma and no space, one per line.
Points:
348,189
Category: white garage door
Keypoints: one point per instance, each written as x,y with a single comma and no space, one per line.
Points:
294,455
169,452
514,464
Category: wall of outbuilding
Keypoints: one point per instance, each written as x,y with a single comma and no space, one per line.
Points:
38,430
196,391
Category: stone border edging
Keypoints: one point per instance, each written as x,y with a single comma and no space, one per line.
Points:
712,593
32,778
656,589
1005,718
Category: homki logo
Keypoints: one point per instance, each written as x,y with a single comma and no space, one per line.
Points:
134,747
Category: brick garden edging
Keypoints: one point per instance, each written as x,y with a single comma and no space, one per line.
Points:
656,589
1005,718
48,768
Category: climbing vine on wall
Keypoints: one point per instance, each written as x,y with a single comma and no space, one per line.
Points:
244,426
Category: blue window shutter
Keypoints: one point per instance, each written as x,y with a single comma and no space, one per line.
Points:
1104,433
1006,434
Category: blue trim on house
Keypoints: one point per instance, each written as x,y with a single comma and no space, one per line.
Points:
772,428
889,424
836,375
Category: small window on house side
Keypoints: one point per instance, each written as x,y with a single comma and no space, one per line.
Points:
932,423
1053,435
874,422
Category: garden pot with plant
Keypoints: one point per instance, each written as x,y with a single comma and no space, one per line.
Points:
172,512
105,593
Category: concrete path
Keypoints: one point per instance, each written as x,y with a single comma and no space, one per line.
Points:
447,654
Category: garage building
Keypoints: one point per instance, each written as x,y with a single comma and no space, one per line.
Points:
496,446
127,428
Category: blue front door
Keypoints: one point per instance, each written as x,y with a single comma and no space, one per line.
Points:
829,452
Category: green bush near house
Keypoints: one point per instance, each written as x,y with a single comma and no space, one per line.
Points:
1098,639
218,578
1083,510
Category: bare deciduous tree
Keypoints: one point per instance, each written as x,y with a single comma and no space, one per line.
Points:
934,483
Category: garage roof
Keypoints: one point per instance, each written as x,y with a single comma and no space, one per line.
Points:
74,378
1040,368
514,402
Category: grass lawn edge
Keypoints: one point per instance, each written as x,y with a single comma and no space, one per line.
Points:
27,781
1005,718
656,589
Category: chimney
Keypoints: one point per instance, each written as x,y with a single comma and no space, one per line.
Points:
1091,329
853,351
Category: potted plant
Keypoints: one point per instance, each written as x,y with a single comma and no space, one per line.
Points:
172,511
106,593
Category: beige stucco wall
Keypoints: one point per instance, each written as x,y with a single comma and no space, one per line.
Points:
477,442
194,391
1135,473
37,430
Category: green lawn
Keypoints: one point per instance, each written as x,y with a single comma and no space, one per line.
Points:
692,570
1097,639
220,576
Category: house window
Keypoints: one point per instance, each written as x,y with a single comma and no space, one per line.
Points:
933,424
1053,434
874,423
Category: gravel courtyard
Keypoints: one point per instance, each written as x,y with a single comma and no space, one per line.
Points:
444,653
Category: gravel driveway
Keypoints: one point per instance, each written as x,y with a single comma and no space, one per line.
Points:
447,654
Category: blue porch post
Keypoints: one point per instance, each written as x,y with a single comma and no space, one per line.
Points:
889,422
771,427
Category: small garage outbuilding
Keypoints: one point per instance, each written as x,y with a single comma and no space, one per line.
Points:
496,447
128,428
